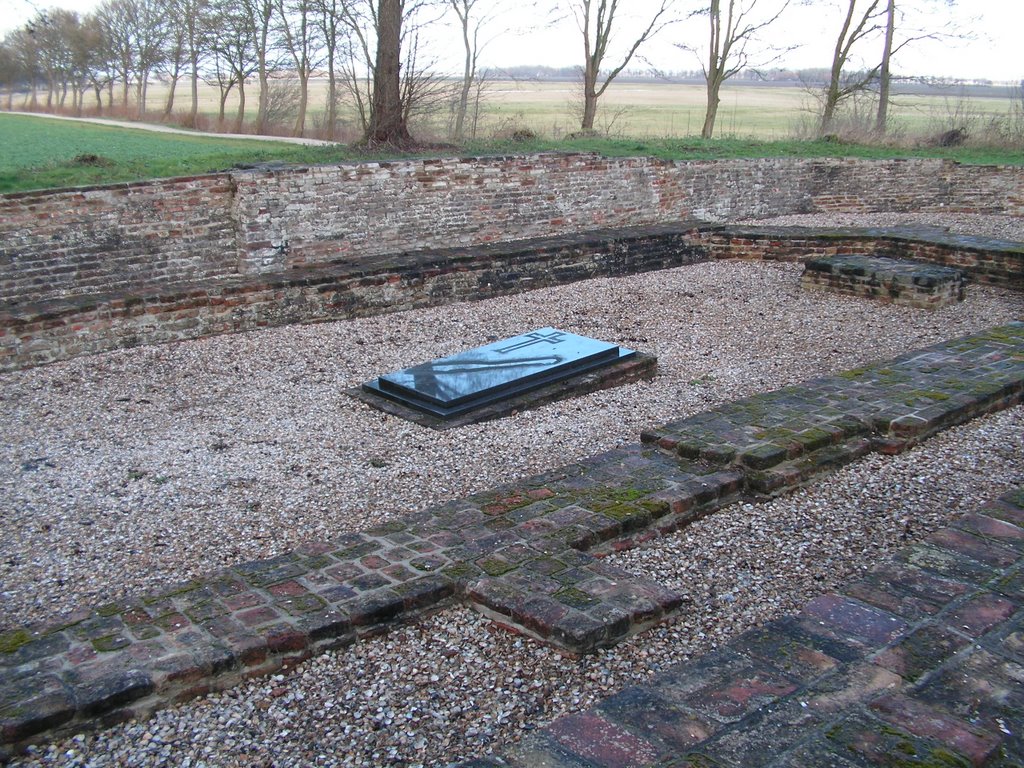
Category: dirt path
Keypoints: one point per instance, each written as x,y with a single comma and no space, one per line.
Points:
159,128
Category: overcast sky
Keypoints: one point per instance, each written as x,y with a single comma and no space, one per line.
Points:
993,52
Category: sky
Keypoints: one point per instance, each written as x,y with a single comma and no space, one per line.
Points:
991,28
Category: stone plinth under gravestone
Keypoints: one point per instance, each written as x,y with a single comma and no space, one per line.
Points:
908,283
503,377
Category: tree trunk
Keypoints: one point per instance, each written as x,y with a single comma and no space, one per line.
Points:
467,81
828,108
265,9
300,119
240,117
589,110
143,93
882,118
332,100
712,76
711,113
261,111
194,110
387,120
169,107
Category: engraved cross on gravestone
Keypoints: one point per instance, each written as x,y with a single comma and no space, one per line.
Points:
455,385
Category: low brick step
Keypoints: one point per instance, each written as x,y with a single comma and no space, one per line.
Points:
780,439
897,281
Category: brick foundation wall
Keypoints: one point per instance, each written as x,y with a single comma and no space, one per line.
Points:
101,239
994,262
92,269
43,332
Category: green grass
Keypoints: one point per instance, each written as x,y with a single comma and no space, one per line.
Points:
44,154
731,148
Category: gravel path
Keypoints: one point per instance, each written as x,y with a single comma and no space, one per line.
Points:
133,469
161,128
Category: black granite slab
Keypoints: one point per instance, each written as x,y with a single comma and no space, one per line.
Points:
453,385
501,377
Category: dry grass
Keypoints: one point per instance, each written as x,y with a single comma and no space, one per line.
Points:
642,110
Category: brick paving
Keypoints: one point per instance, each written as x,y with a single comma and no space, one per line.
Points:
921,663
528,554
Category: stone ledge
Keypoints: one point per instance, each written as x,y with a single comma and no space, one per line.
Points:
36,333
982,259
527,554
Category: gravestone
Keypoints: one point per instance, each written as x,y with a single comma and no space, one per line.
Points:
504,376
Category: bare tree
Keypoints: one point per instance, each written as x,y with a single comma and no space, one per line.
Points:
236,58
885,73
900,33
596,19
260,16
329,18
85,65
117,20
384,72
731,37
53,41
299,35
471,44
358,57
174,58
188,45
11,74
151,33
842,84
473,16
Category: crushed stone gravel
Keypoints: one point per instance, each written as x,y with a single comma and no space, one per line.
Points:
128,470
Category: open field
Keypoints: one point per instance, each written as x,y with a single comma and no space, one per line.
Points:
761,111
654,119
651,109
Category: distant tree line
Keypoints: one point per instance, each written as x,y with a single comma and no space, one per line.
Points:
380,71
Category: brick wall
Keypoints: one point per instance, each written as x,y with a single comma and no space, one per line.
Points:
94,240
91,269
102,239
308,216
43,332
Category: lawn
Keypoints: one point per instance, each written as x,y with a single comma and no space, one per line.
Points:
43,153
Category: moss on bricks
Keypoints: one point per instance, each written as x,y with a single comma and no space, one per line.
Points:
575,598
854,373
656,507
494,566
813,439
13,640
459,571
622,512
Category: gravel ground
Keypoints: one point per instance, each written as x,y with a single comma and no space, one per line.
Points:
999,227
452,687
133,469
